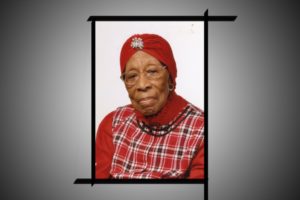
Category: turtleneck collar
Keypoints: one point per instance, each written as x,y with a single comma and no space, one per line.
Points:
174,105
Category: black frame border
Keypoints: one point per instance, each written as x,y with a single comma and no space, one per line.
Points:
206,18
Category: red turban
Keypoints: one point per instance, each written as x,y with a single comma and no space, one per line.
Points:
152,44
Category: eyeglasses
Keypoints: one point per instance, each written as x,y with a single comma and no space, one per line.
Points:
151,73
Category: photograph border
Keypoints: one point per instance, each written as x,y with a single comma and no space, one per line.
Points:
205,18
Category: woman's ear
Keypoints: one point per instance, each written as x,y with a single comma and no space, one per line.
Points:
171,84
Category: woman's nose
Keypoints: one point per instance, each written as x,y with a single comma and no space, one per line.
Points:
143,83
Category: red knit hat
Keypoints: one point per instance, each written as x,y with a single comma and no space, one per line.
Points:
152,44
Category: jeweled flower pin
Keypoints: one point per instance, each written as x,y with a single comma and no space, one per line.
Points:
137,43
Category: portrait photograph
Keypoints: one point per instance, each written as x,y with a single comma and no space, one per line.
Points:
149,100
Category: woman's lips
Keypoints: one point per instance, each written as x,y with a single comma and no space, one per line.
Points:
147,101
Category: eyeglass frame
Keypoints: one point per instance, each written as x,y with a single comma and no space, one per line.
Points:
122,77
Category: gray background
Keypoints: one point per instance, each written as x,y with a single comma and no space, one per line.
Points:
45,99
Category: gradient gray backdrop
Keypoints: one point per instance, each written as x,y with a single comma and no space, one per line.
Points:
45,100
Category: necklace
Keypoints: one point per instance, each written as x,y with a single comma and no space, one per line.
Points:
158,130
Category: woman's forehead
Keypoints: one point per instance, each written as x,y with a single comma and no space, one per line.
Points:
141,59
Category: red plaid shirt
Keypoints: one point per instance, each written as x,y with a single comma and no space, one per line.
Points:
134,151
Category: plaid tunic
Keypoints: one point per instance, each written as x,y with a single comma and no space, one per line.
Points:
167,152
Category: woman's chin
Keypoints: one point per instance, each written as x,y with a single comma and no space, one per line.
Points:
148,112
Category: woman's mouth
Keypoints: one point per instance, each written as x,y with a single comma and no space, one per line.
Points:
148,101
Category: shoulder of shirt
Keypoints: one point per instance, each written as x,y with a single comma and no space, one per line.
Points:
107,121
197,116
122,113
197,111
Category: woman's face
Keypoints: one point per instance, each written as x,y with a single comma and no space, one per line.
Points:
147,83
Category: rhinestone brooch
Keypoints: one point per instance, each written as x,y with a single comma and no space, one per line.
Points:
137,43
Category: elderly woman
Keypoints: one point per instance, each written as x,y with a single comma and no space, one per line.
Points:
159,135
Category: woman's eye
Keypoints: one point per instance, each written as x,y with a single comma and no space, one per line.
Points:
152,72
131,76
